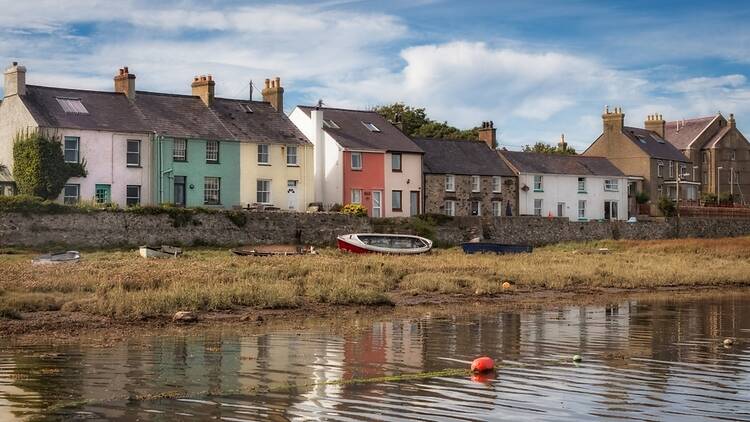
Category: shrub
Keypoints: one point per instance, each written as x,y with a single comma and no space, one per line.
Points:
708,199
667,207
726,199
355,209
641,197
39,166
238,218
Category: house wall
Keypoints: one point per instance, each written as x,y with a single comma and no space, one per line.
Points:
370,178
436,195
279,173
722,157
407,180
564,188
195,169
14,117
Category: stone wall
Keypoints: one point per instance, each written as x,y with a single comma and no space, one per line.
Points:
436,195
124,229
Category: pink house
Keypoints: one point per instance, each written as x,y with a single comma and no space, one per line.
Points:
360,157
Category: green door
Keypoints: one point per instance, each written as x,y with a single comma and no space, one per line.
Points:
103,194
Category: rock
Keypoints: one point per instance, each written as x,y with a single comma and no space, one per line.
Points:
728,342
184,316
506,285
577,358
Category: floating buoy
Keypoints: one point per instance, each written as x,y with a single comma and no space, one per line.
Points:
577,358
506,285
728,342
483,364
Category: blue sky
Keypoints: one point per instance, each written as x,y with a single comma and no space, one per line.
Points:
537,69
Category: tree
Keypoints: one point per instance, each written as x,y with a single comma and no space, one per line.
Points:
416,124
543,148
39,167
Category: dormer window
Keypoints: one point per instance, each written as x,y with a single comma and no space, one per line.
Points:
330,124
371,127
72,105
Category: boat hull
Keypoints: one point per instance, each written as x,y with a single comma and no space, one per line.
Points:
497,248
159,252
57,258
392,244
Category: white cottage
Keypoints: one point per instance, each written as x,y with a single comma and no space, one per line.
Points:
573,186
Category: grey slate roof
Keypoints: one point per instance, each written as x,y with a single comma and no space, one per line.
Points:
653,145
577,165
450,156
688,130
182,116
109,111
263,125
352,133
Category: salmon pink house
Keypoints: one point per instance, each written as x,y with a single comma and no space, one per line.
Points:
362,158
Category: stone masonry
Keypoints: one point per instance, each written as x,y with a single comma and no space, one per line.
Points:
436,195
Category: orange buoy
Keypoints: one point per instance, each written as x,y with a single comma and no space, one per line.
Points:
483,364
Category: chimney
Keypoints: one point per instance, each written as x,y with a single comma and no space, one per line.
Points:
655,123
15,80
125,83
203,86
319,148
613,120
732,122
274,94
562,145
488,134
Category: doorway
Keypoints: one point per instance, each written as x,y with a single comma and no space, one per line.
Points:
179,191
377,203
103,194
291,191
610,210
413,203
561,209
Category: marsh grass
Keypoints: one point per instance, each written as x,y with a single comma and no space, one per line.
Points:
122,285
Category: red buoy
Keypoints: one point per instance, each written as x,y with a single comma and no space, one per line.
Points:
483,364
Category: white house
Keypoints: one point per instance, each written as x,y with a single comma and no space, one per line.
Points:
101,128
573,186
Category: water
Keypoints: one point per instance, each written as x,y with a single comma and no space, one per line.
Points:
642,360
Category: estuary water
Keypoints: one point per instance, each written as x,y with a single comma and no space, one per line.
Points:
641,359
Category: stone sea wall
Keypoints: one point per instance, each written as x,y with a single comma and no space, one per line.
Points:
123,229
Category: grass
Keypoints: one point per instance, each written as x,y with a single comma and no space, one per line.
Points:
122,285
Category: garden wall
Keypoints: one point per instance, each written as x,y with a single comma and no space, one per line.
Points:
119,228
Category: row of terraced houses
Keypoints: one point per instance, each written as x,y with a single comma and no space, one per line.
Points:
146,148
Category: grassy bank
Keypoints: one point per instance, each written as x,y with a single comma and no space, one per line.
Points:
122,285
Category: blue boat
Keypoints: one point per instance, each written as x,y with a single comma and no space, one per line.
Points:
491,247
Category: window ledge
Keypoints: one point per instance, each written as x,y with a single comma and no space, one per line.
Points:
264,164
397,210
176,160
450,190
212,162
582,191
133,166
538,190
396,171
292,165
359,169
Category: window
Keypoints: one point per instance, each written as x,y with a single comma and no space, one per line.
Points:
450,183
396,200
132,195
734,155
102,194
72,105
263,191
212,191
71,194
537,183
356,161
371,127
212,152
134,153
291,155
497,208
497,184
476,183
671,169
538,207
561,209
72,148
581,209
660,191
476,208
356,196
581,185
396,162
330,123
611,185
450,208
179,150
683,170
659,168
263,154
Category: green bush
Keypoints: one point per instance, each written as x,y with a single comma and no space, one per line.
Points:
238,218
39,166
354,209
726,199
667,207
641,197
708,199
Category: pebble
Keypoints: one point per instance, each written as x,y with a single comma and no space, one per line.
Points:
184,316
577,358
728,342
506,285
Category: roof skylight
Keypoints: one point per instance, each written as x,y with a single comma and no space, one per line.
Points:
331,124
371,127
72,105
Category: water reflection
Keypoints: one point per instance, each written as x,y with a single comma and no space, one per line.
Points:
641,360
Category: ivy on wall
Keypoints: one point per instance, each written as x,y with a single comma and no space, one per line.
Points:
39,166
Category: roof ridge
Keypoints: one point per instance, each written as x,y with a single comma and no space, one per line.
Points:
692,119
75,89
239,100
166,94
339,109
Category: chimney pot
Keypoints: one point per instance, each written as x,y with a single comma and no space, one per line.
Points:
15,63
488,134
125,69
125,82
274,93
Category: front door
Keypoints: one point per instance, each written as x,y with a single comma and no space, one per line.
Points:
377,204
413,203
179,191
103,194
561,209
291,192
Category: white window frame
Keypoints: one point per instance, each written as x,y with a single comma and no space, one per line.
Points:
263,191
479,208
581,209
264,154
538,204
182,149
371,127
611,185
450,183
400,162
538,183
497,184
128,153
291,155
581,185
331,124
70,199
614,213
77,149
359,157
660,168
128,197
450,208
476,184
497,208
356,196
211,184
671,169
212,152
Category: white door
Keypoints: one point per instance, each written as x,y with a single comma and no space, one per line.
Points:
376,203
291,193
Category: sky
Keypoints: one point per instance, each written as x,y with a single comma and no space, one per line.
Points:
537,69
